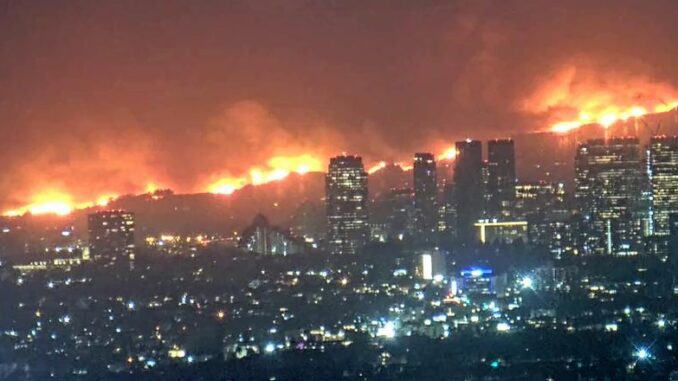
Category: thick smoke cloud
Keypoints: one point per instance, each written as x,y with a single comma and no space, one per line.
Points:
104,97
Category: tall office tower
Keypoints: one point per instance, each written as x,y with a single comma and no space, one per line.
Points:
663,172
111,234
609,185
425,197
468,188
346,198
501,159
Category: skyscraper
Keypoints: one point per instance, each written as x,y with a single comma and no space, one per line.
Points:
111,234
468,188
346,198
609,185
425,197
663,172
501,183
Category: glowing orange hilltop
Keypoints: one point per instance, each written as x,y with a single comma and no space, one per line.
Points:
61,203
56,202
607,116
278,168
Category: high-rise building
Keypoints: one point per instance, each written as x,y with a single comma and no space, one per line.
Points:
111,234
346,198
609,185
663,172
425,197
263,238
432,264
468,188
501,161
551,222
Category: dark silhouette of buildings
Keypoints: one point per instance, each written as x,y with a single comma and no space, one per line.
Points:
468,188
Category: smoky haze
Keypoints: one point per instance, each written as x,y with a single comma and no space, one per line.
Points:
104,97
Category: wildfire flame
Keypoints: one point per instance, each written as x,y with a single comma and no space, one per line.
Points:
578,93
377,167
278,168
62,203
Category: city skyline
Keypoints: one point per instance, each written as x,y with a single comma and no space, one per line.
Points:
168,121
355,190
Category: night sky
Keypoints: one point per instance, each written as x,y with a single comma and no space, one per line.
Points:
106,96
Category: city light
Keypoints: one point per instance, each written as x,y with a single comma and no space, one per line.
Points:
503,327
526,282
642,354
387,330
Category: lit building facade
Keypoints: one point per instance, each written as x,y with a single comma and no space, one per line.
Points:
663,172
346,198
425,197
501,164
609,184
111,235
